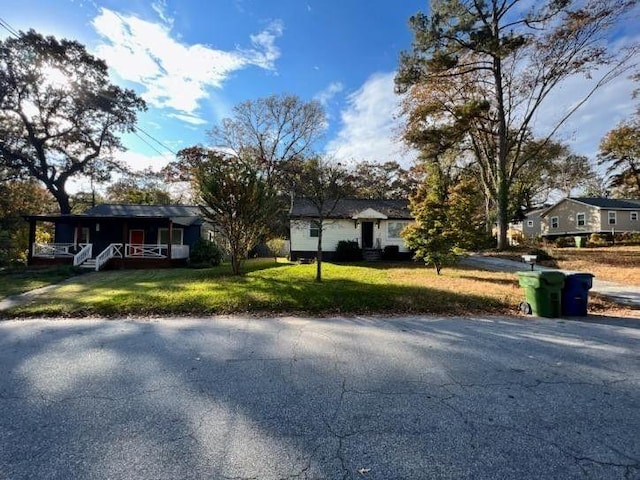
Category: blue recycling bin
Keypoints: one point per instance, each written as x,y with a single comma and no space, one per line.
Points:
575,294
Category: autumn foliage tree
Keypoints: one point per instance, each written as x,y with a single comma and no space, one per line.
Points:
59,115
479,72
448,218
19,197
620,153
237,201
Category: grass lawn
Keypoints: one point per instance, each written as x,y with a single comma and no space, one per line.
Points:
16,281
616,264
271,288
276,288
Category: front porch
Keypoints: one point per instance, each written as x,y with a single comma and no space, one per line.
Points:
132,255
120,236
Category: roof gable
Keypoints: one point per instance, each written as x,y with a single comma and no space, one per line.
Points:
370,213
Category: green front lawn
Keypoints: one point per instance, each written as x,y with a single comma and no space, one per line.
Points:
16,281
273,288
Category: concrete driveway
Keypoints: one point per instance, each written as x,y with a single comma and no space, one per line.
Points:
370,398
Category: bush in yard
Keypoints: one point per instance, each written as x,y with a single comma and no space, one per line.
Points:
597,240
563,242
627,238
205,254
347,251
276,247
391,252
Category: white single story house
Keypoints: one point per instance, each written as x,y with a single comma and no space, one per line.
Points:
583,216
374,224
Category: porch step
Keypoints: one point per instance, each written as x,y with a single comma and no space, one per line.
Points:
89,264
371,254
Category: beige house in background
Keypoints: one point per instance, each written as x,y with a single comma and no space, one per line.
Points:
584,216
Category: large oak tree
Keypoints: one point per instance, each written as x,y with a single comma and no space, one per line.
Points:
59,115
480,70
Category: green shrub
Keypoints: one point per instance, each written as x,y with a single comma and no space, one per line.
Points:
205,254
627,238
347,251
391,252
562,242
597,240
276,246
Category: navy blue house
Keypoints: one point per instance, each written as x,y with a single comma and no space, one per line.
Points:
114,235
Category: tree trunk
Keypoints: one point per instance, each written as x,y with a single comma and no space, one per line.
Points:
62,198
319,255
502,213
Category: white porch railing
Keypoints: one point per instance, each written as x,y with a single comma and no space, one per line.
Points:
112,251
52,250
83,255
146,250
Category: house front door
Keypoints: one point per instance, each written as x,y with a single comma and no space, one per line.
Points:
136,241
367,234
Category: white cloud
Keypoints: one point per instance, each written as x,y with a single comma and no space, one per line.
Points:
190,119
172,74
371,126
599,114
329,92
139,161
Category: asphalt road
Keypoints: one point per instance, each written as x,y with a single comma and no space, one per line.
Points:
370,398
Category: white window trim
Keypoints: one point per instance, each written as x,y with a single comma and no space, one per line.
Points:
557,222
181,230
633,214
79,232
584,219
530,223
312,227
610,217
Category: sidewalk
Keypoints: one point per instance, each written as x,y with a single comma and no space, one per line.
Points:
624,294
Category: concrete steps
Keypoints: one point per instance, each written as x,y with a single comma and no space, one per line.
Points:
89,264
371,254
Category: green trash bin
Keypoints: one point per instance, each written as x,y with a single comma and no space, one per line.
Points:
543,293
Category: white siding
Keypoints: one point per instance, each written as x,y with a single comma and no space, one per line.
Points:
337,230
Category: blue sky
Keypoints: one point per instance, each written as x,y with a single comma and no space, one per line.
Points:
194,60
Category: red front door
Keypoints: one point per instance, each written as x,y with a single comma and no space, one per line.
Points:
136,240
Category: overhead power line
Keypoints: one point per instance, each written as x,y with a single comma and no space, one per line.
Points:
155,140
4,24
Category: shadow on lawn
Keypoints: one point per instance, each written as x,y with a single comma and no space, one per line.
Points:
268,295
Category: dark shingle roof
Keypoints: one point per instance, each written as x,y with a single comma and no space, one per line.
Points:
347,208
182,214
609,203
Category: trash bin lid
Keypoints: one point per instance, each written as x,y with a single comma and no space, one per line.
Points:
552,277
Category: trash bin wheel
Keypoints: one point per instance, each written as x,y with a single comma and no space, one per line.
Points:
525,308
